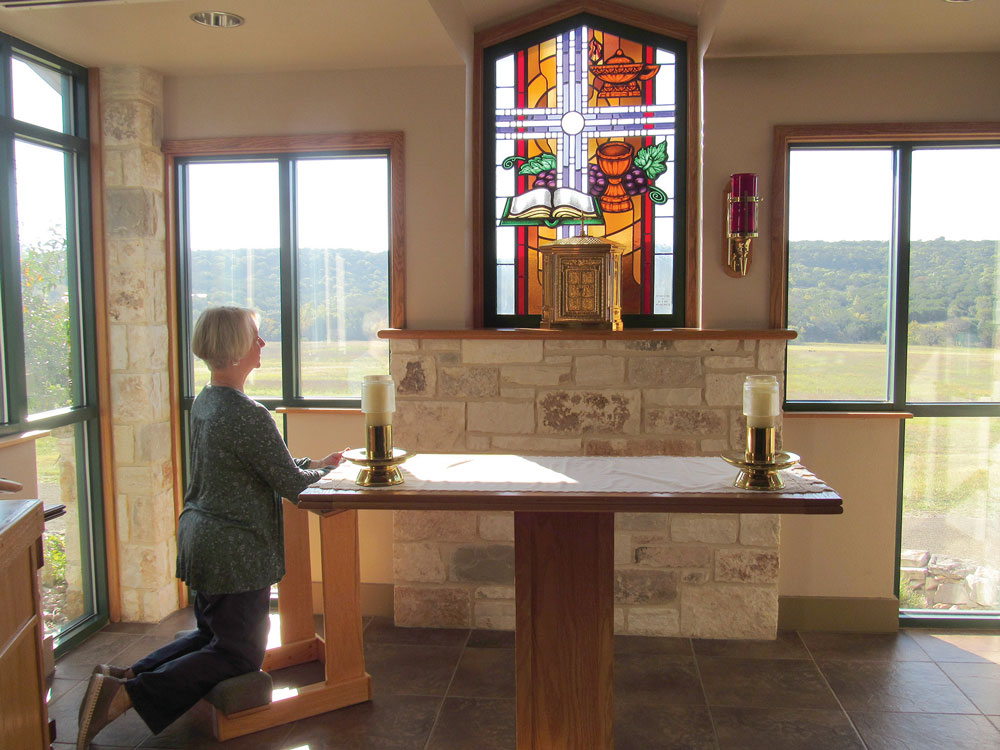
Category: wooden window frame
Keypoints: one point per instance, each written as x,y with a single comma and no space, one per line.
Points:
620,14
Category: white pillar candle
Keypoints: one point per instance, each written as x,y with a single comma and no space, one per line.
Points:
378,399
760,401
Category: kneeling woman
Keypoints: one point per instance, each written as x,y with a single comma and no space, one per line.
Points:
230,539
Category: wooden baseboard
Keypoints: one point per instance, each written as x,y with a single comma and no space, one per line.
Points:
376,599
839,614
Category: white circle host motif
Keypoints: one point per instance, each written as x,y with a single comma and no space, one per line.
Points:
572,123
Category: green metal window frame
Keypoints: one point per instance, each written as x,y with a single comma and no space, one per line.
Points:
903,141
14,416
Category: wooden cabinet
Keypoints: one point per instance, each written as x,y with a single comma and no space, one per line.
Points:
23,720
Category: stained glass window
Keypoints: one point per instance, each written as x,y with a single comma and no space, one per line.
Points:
584,132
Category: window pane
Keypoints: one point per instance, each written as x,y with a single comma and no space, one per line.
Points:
954,351
342,231
40,175
66,577
40,95
233,236
951,503
840,209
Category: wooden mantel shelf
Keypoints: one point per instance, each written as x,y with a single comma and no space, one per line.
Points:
568,334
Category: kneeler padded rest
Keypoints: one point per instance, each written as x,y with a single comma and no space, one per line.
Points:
340,648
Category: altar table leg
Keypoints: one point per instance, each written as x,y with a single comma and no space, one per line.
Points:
341,649
564,594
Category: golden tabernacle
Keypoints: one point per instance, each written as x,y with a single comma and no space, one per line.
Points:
581,283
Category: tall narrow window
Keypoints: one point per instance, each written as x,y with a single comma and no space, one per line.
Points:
305,236
585,131
893,274
48,332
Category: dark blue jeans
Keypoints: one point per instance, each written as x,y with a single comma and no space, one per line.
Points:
230,640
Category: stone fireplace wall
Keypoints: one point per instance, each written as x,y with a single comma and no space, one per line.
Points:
673,393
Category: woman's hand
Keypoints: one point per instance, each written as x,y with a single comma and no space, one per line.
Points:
330,462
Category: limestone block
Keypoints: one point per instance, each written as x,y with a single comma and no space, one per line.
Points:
537,445
493,615
501,417
760,529
478,443
744,363
418,562
131,212
487,351
558,359
159,603
724,390
496,527
950,567
128,296
540,374
143,566
599,370
671,396
643,522
914,558
984,587
641,586
650,539
654,621
142,167
771,357
131,82
587,345
951,592
131,605
707,346
589,411
640,345
152,442
133,253
746,566
916,577
495,592
403,346
124,443
414,374
453,346
624,555
114,169
694,577
438,526
709,529
131,123
730,611
492,563
134,480
686,421
151,518
674,556
147,347
517,393
432,607
469,382
713,446
672,372
118,344
121,518
749,345
429,425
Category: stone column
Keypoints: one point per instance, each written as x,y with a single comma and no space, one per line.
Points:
135,244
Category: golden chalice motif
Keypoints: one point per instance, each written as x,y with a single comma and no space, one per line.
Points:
615,159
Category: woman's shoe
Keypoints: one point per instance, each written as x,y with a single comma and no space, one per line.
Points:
105,700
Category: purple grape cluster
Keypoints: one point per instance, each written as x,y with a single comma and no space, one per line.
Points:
597,181
635,181
545,179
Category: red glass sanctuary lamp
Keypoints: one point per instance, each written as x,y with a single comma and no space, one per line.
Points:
741,221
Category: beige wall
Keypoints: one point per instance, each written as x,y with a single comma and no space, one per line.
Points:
427,104
746,98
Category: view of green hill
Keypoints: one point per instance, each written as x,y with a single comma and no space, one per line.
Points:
838,291
353,281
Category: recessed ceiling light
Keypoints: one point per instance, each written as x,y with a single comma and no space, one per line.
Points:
958,1
217,19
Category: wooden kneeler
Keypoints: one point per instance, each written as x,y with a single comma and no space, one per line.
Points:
340,648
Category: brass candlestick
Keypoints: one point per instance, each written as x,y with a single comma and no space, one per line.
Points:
760,463
379,461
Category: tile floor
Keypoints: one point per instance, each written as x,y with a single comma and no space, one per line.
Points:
454,690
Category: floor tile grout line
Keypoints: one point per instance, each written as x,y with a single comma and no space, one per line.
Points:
833,692
704,694
451,680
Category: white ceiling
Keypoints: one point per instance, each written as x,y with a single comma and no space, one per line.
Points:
284,35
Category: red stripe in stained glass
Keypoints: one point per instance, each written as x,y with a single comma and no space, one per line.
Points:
648,251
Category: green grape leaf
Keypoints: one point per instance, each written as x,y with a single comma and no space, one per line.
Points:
652,160
538,164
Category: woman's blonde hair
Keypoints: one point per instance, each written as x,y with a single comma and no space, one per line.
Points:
223,335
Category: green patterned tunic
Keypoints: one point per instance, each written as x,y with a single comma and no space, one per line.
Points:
230,535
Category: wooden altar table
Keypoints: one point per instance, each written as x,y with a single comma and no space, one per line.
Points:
564,565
